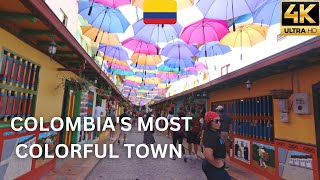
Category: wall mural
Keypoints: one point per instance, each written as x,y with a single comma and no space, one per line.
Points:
242,150
50,139
263,157
10,161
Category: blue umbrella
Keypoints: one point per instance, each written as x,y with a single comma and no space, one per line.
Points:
164,68
106,18
114,51
145,75
268,13
156,33
179,49
213,49
179,63
241,19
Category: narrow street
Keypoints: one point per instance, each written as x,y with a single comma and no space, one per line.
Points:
145,169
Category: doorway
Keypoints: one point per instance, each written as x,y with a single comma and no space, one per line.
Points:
316,105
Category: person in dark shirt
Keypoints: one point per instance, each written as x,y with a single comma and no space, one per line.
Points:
214,149
124,114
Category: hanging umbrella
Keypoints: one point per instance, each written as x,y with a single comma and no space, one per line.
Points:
106,18
164,68
144,67
190,71
156,33
114,51
213,49
181,4
268,13
227,9
145,75
114,68
241,19
179,49
167,75
103,37
200,66
112,3
144,59
204,31
245,36
179,63
140,46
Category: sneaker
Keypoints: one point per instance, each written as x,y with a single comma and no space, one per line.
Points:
186,157
195,157
118,141
173,158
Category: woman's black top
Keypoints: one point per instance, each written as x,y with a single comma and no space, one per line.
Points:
212,139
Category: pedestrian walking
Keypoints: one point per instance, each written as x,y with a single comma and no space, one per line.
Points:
226,126
123,133
193,135
177,136
148,134
214,149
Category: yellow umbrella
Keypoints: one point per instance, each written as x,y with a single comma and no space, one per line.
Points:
245,36
144,59
103,37
181,4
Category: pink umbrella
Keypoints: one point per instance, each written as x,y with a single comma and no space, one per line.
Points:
112,3
166,75
140,46
205,30
118,66
200,66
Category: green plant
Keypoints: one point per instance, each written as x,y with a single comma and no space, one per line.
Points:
80,84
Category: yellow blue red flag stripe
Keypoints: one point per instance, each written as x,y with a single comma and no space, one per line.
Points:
160,12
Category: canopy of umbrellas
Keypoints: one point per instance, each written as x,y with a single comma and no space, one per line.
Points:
152,69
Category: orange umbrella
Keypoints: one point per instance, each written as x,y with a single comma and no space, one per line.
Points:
144,59
103,37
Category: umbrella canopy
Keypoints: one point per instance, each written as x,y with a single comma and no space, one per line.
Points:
167,75
106,18
140,46
144,59
114,51
200,66
245,36
227,9
179,63
144,67
268,13
164,68
102,36
156,33
179,49
117,69
181,4
204,31
213,49
113,60
112,3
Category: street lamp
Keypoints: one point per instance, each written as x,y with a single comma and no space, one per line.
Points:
249,85
52,48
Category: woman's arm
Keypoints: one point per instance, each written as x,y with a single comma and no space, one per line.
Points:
208,153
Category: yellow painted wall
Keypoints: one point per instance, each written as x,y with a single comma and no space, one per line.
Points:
49,99
300,127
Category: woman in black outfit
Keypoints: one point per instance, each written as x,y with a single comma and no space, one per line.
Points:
177,136
214,149
148,134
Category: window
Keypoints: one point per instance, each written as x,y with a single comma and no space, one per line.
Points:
225,70
19,88
63,18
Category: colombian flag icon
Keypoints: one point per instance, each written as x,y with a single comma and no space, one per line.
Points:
160,12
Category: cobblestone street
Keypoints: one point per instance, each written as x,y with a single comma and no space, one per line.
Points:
145,169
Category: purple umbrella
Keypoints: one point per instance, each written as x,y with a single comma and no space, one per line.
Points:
179,49
114,51
227,9
144,67
156,33
213,49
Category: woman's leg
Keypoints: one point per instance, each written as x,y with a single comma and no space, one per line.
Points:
180,139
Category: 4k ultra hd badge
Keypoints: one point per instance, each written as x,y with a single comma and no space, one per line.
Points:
300,17
160,12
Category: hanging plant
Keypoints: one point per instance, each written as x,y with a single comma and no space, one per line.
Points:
105,93
80,84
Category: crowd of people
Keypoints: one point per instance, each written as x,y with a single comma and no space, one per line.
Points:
208,131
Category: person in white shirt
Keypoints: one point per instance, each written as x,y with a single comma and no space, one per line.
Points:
98,111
